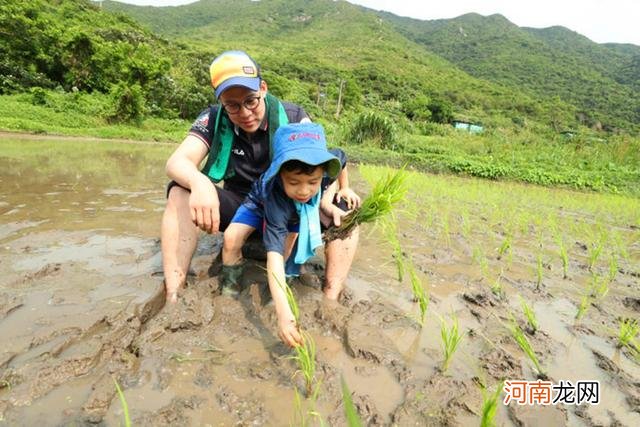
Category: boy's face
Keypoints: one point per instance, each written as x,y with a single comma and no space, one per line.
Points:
248,119
301,187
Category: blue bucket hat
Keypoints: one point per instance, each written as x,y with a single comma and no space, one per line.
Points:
305,142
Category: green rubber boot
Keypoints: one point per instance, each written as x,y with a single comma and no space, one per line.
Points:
230,276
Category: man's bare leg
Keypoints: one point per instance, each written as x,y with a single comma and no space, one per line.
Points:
339,257
179,238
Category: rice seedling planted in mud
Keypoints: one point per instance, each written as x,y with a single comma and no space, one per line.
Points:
350,411
303,417
305,353
123,402
539,271
523,342
628,330
530,315
419,293
490,406
450,340
564,256
386,193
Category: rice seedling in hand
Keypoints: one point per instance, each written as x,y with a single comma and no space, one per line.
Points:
628,330
419,293
450,340
123,402
350,411
523,342
386,193
490,406
530,315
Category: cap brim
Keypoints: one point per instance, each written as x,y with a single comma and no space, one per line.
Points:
309,156
251,83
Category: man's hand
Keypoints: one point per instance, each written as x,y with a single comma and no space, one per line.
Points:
288,331
204,205
349,196
334,213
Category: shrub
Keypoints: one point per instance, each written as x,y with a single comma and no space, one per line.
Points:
372,126
128,102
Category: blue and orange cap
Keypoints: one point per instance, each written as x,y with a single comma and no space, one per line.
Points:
234,68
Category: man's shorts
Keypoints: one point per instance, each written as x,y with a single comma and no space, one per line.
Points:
229,203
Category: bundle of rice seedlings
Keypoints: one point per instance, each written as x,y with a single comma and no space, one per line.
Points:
386,193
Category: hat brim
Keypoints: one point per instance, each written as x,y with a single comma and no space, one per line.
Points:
313,157
251,83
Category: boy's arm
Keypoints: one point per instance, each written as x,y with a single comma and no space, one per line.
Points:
344,191
287,326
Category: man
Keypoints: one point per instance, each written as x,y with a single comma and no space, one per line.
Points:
235,136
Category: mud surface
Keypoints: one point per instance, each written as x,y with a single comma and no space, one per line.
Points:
82,305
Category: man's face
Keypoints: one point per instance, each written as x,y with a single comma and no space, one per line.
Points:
245,107
299,186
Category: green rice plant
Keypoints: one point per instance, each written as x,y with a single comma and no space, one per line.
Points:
585,302
599,287
523,342
490,406
386,193
446,232
529,314
564,256
496,287
305,355
450,340
306,359
465,224
350,411
628,330
391,233
505,246
302,416
594,252
123,402
613,267
419,293
539,271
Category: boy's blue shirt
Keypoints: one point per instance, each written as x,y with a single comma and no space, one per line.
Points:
278,210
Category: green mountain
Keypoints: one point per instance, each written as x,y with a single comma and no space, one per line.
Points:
601,81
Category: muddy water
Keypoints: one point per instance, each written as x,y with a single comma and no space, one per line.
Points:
81,304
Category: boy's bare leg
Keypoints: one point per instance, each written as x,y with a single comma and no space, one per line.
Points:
179,237
235,236
339,256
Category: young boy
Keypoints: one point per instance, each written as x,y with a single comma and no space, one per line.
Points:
288,203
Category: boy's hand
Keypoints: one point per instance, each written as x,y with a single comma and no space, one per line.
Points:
349,196
288,331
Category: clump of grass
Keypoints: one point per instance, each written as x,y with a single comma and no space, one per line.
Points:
386,193
450,340
530,315
523,342
350,411
123,402
490,406
419,293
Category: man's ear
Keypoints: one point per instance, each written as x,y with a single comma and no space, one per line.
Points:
263,86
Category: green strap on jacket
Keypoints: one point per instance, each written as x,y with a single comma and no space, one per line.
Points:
217,166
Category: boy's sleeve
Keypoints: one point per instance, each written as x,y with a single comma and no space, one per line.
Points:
341,155
278,211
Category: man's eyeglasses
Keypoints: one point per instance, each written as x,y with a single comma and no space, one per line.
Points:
250,103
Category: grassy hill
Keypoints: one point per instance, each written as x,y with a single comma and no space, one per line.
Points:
601,81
